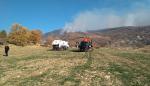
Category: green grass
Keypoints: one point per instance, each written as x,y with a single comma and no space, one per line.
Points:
135,74
39,66
140,57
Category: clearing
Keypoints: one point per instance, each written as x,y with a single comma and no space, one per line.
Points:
39,66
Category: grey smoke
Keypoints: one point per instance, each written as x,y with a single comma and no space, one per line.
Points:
102,19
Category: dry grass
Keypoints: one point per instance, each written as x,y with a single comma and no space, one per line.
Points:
39,66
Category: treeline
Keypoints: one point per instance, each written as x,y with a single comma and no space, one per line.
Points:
21,36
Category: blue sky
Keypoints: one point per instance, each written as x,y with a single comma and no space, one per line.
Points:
48,15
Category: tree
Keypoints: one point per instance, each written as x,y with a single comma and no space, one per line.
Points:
3,34
49,40
19,35
35,36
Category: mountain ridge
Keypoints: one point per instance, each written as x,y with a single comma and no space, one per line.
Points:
120,36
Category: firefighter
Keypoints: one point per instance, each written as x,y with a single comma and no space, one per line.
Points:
6,50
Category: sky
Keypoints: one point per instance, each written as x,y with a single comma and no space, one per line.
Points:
73,15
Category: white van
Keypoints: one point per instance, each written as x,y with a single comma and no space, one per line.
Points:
60,45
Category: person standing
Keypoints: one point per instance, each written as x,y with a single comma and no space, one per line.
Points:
6,50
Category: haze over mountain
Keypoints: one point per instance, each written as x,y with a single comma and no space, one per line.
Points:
121,36
107,18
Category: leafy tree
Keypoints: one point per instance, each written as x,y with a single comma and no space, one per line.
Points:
49,40
35,36
3,34
19,35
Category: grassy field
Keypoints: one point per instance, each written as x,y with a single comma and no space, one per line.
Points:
39,66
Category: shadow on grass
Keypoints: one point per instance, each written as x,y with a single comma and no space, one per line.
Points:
49,50
75,50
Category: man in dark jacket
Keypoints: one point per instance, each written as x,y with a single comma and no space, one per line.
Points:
6,50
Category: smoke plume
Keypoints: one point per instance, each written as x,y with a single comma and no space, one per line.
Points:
102,19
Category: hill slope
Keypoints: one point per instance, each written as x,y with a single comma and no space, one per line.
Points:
121,36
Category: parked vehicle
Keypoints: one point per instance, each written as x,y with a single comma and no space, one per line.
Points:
85,44
60,45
